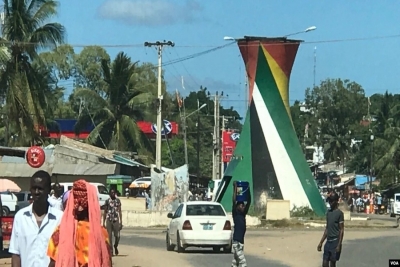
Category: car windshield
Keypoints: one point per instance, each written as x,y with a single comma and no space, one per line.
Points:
102,190
397,198
204,210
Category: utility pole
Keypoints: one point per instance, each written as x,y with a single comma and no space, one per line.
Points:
222,145
159,46
184,134
217,139
198,143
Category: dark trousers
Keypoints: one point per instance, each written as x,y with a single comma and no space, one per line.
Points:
113,228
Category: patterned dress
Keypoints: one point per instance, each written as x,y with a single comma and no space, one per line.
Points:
81,243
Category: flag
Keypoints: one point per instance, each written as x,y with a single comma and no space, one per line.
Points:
179,99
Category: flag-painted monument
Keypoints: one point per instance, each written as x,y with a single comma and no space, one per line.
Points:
268,154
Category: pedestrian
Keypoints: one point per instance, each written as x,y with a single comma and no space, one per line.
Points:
80,236
55,198
34,225
112,219
333,234
239,212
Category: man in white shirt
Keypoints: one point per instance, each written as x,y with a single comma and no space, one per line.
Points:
55,199
34,225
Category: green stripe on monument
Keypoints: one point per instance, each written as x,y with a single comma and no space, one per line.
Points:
269,90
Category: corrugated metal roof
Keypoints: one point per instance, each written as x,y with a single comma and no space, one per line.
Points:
122,160
11,159
20,170
84,169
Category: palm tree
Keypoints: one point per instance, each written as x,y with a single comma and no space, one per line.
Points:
387,143
128,95
27,88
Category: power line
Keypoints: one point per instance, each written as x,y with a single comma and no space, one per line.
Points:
140,45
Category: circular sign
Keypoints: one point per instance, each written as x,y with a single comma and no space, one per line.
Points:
235,137
166,129
35,156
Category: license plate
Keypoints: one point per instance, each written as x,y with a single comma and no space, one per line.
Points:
207,227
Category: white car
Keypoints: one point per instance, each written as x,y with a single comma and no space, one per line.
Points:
9,203
102,191
199,224
142,182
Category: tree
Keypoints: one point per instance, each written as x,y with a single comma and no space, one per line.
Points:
335,108
89,71
27,90
199,126
127,96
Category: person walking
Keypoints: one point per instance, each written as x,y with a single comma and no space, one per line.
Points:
112,219
239,212
80,240
34,225
333,233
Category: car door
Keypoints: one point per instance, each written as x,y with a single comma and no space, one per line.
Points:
174,222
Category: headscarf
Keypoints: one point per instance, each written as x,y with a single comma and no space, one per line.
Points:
84,196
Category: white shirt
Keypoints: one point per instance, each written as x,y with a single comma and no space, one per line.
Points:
55,202
28,240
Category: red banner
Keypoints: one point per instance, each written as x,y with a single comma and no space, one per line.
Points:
229,140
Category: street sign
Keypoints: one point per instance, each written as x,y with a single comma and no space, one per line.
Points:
165,130
235,136
35,156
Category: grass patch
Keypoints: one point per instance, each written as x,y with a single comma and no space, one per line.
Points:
305,212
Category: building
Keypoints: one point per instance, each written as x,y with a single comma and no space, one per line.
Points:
69,161
66,127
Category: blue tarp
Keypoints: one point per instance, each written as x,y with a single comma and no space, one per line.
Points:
361,180
68,125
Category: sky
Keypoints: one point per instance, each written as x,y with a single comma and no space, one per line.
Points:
198,25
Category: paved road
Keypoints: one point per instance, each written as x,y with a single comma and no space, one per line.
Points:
194,256
374,216
358,253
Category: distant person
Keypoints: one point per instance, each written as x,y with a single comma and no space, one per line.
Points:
80,240
34,225
112,219
55,199
127,193
333,233
239,212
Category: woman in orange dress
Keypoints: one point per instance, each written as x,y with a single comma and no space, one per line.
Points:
80,236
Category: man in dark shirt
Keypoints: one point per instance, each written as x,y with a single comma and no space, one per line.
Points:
239,212
333,233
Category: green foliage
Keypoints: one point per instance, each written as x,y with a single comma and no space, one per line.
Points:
342,120
303,212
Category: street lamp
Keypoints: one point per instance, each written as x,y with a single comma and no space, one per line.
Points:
229,38
309,29
184,117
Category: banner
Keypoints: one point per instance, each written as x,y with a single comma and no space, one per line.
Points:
169,188
229,140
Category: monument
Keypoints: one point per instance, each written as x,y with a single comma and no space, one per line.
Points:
268,154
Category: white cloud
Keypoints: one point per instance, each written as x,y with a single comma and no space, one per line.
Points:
150,12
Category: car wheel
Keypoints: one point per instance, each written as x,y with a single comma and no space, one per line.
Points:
228,249
392,215
170,247
178,243
5,211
